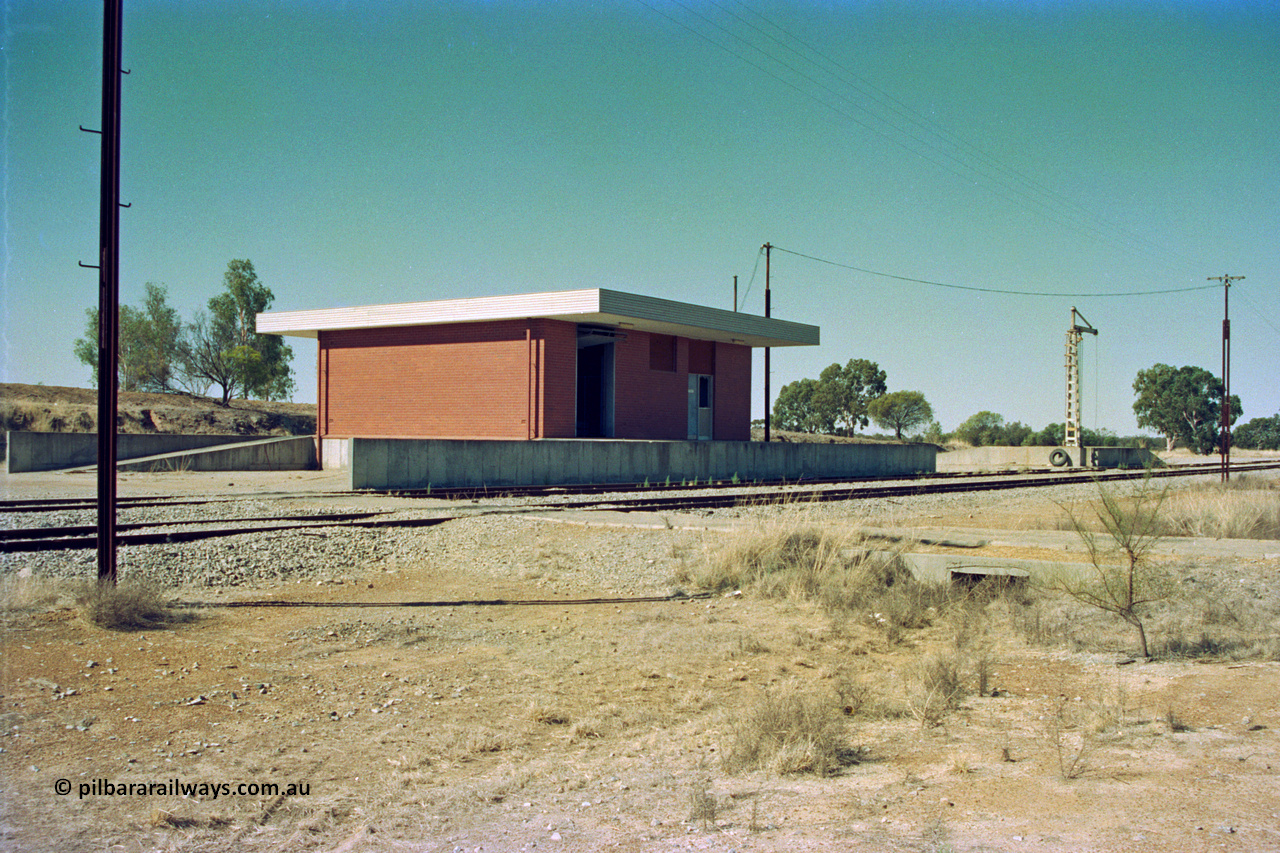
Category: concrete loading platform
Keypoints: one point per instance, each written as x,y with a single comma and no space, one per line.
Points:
1013,458
387,463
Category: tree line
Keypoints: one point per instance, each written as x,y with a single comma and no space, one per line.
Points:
848,397
1183,404
219,347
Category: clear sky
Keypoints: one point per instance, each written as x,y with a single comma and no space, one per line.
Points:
368,152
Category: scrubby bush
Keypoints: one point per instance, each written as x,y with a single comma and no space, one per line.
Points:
834,568
788,732
127,606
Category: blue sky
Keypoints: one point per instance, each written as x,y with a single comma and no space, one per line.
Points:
364,152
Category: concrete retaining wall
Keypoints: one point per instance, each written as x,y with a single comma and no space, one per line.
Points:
52,451
1003,458
391,463
282,453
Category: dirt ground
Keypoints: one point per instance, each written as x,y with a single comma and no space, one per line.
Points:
602,726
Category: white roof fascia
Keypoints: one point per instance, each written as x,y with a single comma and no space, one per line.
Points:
605,307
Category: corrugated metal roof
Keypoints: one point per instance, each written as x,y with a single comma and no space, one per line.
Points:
608,307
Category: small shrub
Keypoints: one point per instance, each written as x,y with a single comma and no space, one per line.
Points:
1131,525
825,565
789,732
127,606
934,688
702,804
1173,722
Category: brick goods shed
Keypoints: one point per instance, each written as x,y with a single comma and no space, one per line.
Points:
572,364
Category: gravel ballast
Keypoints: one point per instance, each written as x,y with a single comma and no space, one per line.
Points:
491,536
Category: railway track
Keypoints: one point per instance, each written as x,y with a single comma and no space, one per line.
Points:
568,491
723,495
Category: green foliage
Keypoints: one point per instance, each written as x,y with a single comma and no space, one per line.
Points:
223,348
149,348
1258,434
933,434
1050,436
794,408
984,428
846,392
1183,404
1015,433
837,400
900,410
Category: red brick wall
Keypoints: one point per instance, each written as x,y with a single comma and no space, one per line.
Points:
559,369
460,380
650,404
731,415
511,379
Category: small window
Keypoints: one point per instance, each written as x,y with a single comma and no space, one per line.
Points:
704,392
662,353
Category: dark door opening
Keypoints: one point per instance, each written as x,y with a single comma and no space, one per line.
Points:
595,389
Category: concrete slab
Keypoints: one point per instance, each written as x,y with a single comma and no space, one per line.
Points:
1038,458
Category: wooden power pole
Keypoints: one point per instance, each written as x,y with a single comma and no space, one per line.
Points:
767,250
108,267
1224,425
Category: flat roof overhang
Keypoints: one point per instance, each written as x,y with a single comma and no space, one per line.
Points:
599,306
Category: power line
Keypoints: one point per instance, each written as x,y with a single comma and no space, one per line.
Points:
1049,206
885,99
976,289
759,254
1259,311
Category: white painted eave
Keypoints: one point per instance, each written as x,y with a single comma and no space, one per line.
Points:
604,307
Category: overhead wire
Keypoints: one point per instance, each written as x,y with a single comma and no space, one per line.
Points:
889,102
1049,209
1003,291
750,282
1258,310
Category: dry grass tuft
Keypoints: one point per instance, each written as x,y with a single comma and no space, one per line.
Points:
542,710
1245,508
20,594
934,687
830,566
127,606
788,732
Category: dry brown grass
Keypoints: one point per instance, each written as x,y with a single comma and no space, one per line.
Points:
1245,508
789,731
19,594
54,417
801,560
128,606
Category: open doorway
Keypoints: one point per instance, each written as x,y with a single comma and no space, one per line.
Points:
595,382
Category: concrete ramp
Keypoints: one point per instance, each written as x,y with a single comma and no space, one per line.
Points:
279,453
